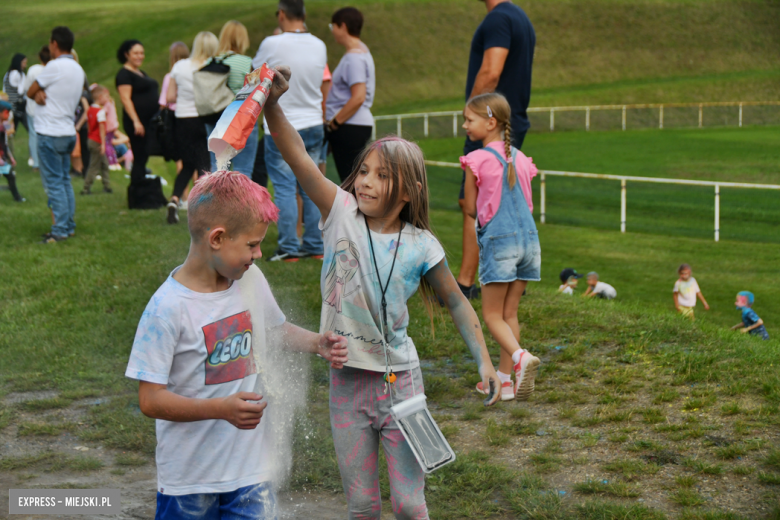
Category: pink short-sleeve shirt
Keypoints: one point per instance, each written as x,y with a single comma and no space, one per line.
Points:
489,173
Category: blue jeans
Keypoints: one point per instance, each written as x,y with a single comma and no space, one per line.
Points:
54,157
285,187
246,503
32,140
244,162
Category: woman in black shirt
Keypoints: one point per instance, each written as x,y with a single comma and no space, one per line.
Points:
139,95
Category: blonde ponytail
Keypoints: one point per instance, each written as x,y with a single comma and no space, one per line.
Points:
495,105
510,170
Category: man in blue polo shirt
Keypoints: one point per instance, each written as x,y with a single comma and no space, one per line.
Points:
502,53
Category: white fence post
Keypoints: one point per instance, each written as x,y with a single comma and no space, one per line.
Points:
661,117
552,120
425,125
624,117
454,125
740,115
373,131
398,126
622,205
717,213
587,119
701,118
543,198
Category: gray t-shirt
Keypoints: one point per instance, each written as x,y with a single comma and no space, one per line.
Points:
354,67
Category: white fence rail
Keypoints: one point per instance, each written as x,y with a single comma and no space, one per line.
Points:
689,119
624,179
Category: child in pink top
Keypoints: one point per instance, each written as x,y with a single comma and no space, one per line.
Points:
497,193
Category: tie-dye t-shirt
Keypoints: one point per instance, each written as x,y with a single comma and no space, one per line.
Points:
351,298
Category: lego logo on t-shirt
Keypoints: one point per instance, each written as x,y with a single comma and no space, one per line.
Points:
229,349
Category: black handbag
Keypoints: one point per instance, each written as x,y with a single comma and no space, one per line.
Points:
146,194
166,128
154,130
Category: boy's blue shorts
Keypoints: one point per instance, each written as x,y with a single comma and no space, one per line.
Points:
250,502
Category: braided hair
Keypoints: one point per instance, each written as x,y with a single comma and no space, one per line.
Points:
495,105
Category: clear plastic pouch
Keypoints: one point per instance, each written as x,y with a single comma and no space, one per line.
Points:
428,444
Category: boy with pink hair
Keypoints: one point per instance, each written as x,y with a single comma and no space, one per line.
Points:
196,357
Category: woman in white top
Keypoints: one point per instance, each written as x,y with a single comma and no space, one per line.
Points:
191,138
32,74
348,107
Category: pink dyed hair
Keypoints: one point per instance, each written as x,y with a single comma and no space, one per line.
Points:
228,198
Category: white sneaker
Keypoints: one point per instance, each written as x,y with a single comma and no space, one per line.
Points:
30,162
183,205
507,391
525,373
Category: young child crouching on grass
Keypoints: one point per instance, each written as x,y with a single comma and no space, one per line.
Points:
498,195
194,357
750,323
685,292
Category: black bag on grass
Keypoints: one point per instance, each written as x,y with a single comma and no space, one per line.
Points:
146,194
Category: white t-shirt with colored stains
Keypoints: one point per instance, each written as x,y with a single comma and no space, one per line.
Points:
206,345
686,292
351,298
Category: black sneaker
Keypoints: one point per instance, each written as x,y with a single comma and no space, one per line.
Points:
471,293
280,256
173,213
108,190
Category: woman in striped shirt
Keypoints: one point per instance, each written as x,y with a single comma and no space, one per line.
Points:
233,43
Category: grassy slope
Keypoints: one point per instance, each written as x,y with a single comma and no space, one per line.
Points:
729,155
587,51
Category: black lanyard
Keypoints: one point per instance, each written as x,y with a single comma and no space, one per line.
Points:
389,276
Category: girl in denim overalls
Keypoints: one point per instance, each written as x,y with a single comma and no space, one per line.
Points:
498,195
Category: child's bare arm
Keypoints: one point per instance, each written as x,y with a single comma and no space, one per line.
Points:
319,189
102,127
465,319
676,297
754,326
470,194
157,402
703,301
738,326
330,346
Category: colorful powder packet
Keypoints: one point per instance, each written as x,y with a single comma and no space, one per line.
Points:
239,118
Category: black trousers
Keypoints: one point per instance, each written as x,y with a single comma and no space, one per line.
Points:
260,171
140,151
346,143
192,144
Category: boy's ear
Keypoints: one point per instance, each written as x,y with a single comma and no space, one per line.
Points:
216,237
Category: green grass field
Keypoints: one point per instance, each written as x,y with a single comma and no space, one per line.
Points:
638,414
629,394
588,51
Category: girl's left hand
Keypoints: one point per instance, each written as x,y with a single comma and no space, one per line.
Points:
488,374
333,348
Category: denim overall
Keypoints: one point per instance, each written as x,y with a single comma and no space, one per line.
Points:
509,243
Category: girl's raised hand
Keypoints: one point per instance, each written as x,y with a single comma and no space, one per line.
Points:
333,348
280,85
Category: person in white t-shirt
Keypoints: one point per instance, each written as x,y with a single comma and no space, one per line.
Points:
307,56
685,292
379,251
32,75
57,91
202,358
569,279
597,288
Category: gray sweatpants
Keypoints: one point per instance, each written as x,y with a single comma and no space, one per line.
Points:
360,418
